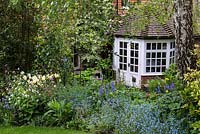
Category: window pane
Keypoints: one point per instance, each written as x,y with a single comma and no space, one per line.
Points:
125,67
148,55
153,46
163,69
171,45
120,59
163,61
132,61
164,54
158,69
132,45
120,66
148,62
136,54
147,69
159,55
159,46
148,46
153,55
153,62
131,68
164,45
136,46
153,69
121,52
173,60
170,54
136,68
121,44
125,44
136,61
125,60
158,61
125,52
132,53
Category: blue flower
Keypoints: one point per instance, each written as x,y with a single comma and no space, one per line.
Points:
101,91
172,85
112,85
158,90
167,87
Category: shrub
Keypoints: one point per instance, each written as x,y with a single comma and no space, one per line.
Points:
103,120
29,95
6,116
170,104
170,82
191,95
144,119
59,113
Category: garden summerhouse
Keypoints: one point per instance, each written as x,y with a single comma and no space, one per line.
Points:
145,55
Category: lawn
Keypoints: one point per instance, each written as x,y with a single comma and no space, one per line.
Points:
37,130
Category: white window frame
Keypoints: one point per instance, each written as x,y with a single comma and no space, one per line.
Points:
122,56
134,57
172,56
167,50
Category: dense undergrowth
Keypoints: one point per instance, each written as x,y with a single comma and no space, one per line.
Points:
99,106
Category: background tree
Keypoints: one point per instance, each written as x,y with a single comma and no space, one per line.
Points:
17,30
84,25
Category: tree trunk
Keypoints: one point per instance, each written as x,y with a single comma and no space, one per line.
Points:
184,35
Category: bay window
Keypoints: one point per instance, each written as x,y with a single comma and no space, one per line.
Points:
156,57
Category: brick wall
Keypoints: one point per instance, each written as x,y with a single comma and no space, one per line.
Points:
118,5
144,79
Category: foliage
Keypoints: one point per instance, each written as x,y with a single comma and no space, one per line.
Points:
85,75
144,119
171,81
6,116
128,111
59,113
71,25
16,36
29,95
191,95
170,104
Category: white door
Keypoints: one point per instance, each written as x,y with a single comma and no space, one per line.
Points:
128,62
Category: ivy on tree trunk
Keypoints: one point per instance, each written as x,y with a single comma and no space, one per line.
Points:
184,35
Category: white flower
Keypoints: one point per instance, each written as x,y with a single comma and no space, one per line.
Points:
43,77
29,75
22,73
35,79
39,76
24,77
56,75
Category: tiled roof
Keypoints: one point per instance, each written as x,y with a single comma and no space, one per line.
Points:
153,29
